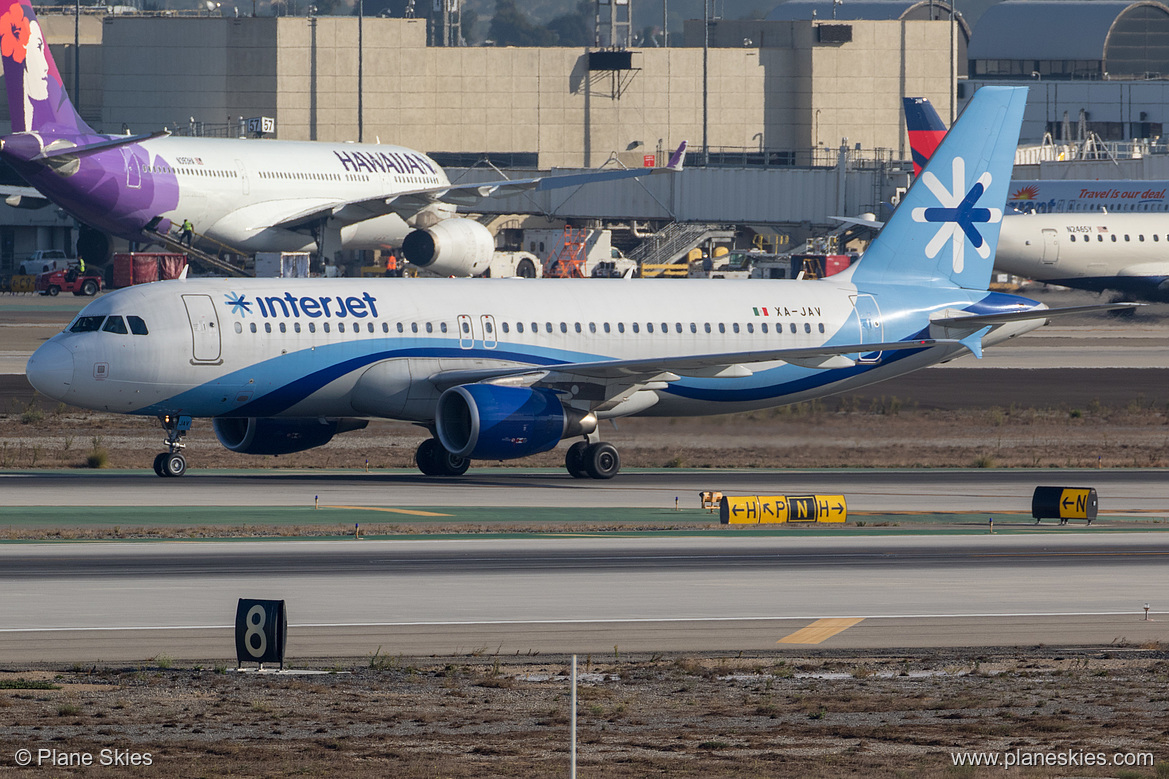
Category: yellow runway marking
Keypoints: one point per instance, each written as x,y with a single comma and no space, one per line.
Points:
413,512
820,630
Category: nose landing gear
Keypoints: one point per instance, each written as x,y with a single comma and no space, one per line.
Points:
172,462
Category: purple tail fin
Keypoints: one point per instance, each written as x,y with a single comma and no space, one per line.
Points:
37,100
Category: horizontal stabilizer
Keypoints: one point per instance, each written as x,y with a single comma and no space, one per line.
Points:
94,148
980,320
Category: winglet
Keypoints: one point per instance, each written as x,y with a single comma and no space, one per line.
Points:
678,157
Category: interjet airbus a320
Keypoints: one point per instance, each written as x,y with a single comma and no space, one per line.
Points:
500,369
248,195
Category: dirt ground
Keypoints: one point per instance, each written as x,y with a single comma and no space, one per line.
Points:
784,714
882,432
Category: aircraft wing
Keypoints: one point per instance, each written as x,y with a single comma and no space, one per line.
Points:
409,202
982,320
723,365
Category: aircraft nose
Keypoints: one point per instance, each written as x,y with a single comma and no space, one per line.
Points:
50,370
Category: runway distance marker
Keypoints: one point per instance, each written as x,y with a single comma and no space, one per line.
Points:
821,630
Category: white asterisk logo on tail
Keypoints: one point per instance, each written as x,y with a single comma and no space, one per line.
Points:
958,214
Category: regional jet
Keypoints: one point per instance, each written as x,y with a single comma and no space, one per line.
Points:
1093,235
244,194
501,369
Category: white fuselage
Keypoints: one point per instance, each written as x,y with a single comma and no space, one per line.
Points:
370,347
1095,250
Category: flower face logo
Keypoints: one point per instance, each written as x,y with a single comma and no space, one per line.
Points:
14,33
239,304
958,215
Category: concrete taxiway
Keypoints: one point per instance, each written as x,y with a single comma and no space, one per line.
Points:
119,602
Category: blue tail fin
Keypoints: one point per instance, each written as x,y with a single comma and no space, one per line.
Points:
37,100
945,230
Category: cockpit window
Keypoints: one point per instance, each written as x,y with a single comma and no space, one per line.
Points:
87,324
137,326
115,324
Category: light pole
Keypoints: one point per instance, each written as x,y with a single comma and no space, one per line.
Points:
360,71
705,80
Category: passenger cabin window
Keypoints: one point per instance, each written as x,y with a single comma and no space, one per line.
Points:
722,328
401,328
413,327
267,327
441,326
340,327
505,327
763,327
735,327
252,326
115,324
807,327
87,324
312,327
239,328
137,326
519,327
620,327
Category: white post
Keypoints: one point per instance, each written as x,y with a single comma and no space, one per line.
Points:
572,741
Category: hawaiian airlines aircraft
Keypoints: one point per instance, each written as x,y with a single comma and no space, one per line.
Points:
1093,235
248,195
504,368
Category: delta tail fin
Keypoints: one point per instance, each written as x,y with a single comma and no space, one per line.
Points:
925,130
946,228
37,100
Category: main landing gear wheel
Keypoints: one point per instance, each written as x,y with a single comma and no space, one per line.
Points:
595,461
434,460
174,464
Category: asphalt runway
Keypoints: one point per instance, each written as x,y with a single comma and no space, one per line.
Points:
83,603
1129,491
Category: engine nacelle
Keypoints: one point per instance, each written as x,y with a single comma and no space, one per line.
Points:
489,422
279,436
453,247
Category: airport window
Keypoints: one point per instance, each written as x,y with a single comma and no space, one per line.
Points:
821,327
694,327
620,327
707,327
267,327
430,327
325,326
649,327
312,327
87,324
735,327
578,327
283,328
413,327
564,327
340,327
636,329
252,327
807,327
606,327
763,327
721,327
592,327
115,324
505,327
750,328
442,327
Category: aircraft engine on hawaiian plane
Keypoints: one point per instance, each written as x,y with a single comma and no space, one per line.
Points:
452,247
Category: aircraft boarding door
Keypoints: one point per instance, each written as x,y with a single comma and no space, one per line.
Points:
133,169
872,331
489,337
243,177
466,335
205,345
1050,247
